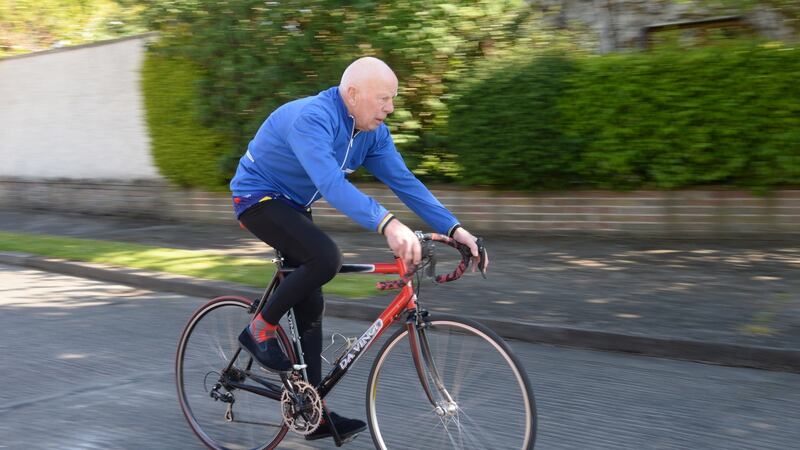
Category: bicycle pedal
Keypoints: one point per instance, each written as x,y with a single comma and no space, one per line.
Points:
350,438
299,366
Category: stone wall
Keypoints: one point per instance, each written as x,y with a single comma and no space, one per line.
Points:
619,24
675,213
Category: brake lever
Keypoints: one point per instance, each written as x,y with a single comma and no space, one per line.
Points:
429,251
482,256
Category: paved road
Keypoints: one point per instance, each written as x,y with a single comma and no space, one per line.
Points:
89,365
736,291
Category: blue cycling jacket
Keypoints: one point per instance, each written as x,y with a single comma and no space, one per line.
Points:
303,151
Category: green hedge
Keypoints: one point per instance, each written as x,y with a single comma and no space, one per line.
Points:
185,151
723,115
726,114
506,129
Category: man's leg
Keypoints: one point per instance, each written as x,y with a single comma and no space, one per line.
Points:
309,314
317,259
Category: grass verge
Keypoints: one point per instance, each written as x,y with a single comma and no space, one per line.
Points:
196,263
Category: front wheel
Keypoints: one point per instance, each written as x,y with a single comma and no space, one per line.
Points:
208,360
480,398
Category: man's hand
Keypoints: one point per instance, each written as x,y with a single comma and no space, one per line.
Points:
465,237
404,243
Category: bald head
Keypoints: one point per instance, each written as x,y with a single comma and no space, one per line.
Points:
368,88
364,71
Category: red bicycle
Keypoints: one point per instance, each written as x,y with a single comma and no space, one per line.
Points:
438,382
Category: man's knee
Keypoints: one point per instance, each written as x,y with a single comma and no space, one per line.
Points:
328,261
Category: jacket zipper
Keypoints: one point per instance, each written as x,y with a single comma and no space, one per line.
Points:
353,134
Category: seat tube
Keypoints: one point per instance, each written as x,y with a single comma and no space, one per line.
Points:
298,348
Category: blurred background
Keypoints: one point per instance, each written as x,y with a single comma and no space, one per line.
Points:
634,164
545,94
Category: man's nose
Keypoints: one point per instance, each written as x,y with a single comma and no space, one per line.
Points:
388,107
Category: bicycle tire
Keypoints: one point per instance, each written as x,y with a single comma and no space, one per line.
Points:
480,373
206,345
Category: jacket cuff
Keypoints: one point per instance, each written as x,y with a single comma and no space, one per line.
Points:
385,221
453,229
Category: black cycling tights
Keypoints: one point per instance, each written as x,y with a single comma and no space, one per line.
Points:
317,259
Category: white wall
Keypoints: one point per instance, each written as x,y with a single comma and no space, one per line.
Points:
75,113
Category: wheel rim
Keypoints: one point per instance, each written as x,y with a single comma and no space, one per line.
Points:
205,349
493,405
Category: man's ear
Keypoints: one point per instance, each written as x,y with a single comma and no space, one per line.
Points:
351,95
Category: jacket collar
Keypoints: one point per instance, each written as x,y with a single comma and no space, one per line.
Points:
347,119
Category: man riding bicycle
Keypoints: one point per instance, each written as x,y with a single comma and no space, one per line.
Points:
302,153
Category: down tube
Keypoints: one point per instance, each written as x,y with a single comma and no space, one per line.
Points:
403,301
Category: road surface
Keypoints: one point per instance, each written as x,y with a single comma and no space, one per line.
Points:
89,365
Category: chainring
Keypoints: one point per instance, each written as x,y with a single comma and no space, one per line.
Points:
302,412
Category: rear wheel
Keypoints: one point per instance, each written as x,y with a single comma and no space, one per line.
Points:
222,416
481,397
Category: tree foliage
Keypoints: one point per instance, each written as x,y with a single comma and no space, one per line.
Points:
256,55
489,97
34,25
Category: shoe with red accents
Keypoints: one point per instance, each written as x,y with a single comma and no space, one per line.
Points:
267,353
348,429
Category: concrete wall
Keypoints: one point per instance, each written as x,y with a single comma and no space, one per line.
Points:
674,214
75,113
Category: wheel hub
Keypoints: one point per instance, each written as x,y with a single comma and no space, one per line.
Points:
446,409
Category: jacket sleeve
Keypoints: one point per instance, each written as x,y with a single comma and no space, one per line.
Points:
385,162
311,138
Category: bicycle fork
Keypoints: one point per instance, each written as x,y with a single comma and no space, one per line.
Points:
416,324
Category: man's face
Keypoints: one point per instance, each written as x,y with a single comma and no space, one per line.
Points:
372,102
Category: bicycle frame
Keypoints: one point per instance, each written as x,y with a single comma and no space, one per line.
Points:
452,357
405,301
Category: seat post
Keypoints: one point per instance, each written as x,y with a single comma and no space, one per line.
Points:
278,260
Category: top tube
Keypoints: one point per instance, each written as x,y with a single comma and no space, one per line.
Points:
388,268
398,267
